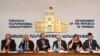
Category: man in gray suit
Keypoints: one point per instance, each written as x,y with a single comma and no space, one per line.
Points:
90,43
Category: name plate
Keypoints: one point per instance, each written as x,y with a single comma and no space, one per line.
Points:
96,51
42,52
61,51
84,51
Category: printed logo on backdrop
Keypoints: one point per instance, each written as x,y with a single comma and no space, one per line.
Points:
51,24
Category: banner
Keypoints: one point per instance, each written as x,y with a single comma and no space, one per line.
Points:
65,17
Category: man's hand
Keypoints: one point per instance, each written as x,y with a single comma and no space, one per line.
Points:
8,42
45,46
28,49
23,40
60,47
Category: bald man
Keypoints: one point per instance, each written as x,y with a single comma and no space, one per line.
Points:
26,44
59,43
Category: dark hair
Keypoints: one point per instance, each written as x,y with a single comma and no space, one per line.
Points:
42,34
75,36
89,34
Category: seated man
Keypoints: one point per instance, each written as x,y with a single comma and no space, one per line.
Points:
90,43
42,44
26,44
59,44
8,44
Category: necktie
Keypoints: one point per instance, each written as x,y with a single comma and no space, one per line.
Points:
26,45
90,44
59,44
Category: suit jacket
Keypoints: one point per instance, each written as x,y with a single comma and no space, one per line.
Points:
63,44
40,45
94,45
12,46
30,45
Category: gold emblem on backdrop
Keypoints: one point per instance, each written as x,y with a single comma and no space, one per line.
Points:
51,23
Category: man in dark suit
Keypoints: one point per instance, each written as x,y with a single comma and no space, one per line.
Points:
90,44
59,44
42,44
8,44
27,45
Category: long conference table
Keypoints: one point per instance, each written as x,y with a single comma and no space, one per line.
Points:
48,54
